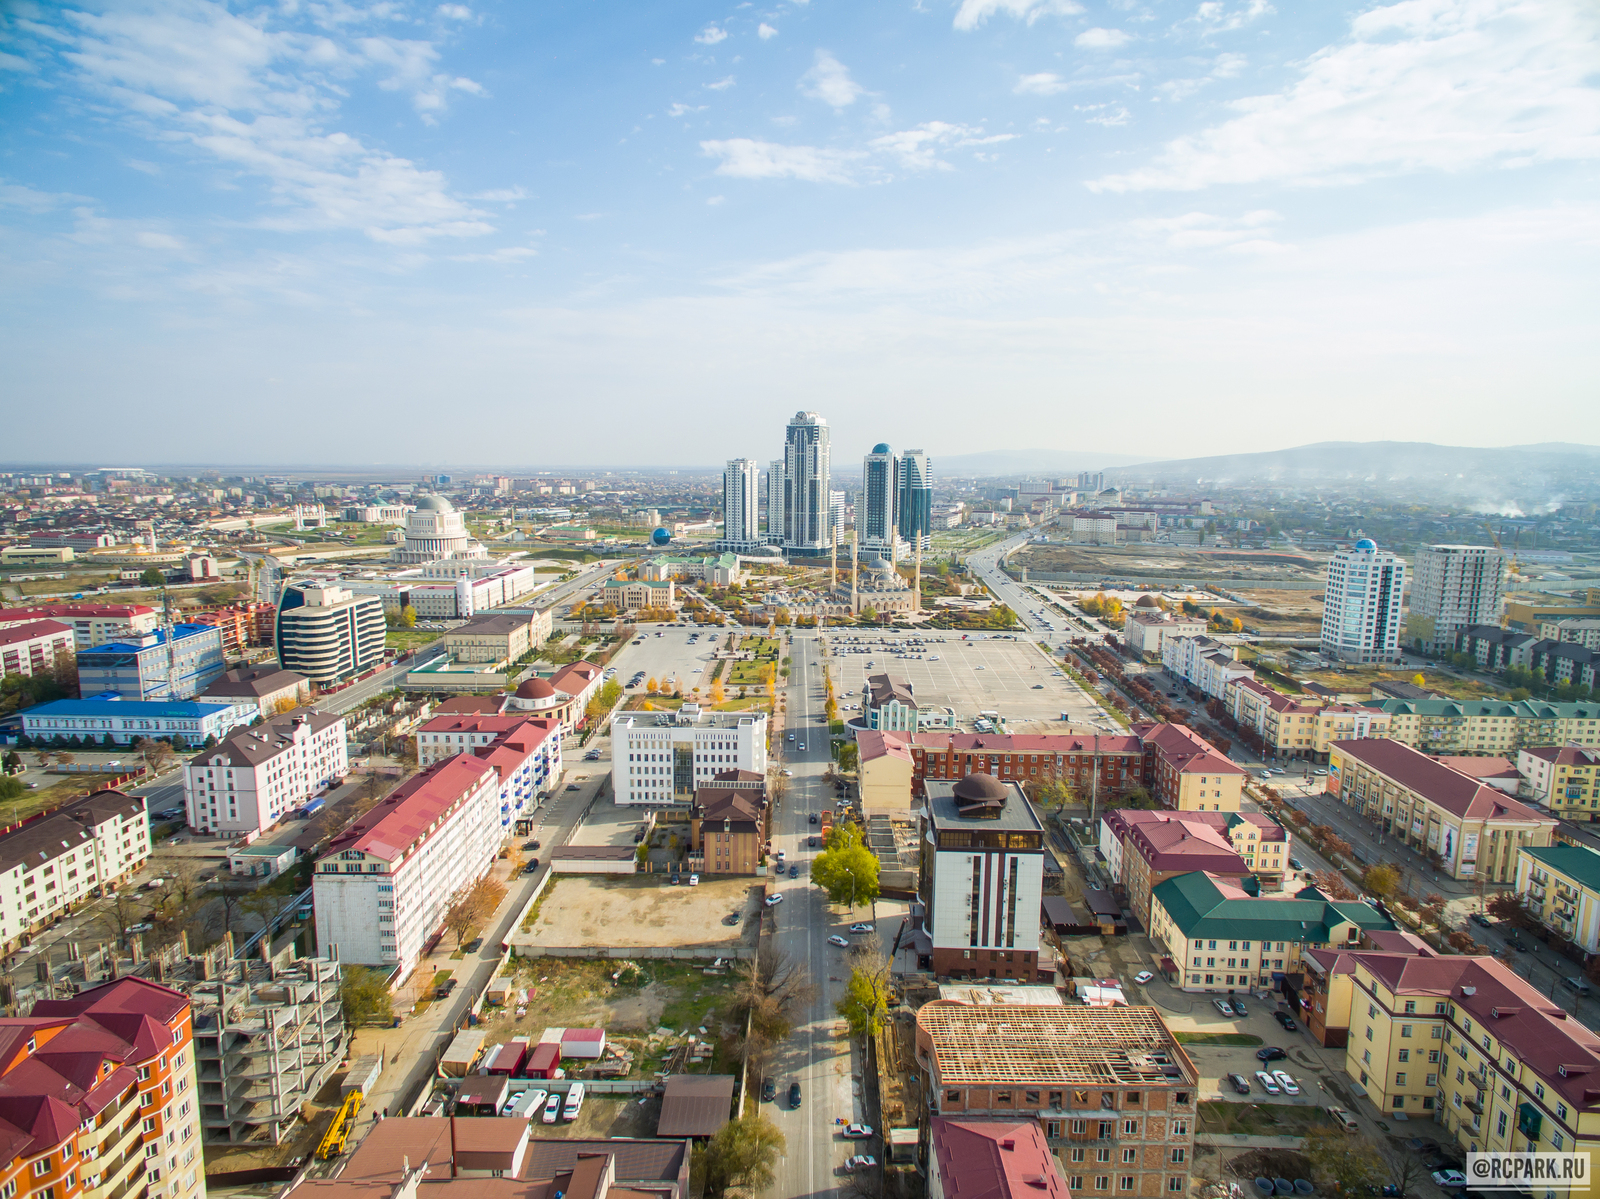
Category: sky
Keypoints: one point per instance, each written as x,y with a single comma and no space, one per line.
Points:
647,234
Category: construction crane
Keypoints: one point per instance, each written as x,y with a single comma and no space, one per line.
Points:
344,1123
1512,566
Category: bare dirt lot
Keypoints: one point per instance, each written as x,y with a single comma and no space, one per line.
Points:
1113,562
591,911
1282,613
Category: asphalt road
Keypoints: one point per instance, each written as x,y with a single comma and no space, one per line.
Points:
821,1062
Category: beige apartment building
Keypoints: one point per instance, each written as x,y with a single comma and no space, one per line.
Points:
497,640
1291,727
1468,828
1489,726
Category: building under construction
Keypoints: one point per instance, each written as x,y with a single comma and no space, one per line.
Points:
267,1036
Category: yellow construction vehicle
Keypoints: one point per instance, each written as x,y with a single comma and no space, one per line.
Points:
344,1123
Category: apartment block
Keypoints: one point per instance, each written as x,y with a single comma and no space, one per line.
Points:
1147,632
1258,840
1202,662
267,1036
884,771
527,761
1489,726
1361,604
445,736
1469,1042
660,759
1111,1089
383,885
256,777
101,1099
1467,828
500,640
1562,884
1217,937
1183,770
1151,847
1452,587
35,648
269,687
175,665
1562,778
52,862
91,624
981,879
1290,727
326,633
1101,766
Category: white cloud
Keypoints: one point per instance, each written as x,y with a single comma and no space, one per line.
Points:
765,31
1101,39
1214,16
715,200
974,13
260,102
1105,114
918,148
10,62
678,110
455,12
711,35
720,85
15,195
1045,83
829,80
1225,66
746,158
502,195
159,241
509,254
1204,230
1421,85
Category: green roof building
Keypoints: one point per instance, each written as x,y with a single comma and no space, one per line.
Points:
1562,884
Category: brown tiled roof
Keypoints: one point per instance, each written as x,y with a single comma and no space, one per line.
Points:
265,741
254,681
46,837
1040,743
1453,791
695,1105
875,745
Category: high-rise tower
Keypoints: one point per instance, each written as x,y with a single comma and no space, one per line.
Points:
1361,607
741,499
878,511
915,506
805,485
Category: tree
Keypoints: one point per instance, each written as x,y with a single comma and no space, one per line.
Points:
1514,909
66,758
152,577
157,755
652,686
472,905
782,618
364,997
865,1003
847,870
43,758
284,703
1403,1169
849,757
1381,880
408,617
1333,885
1350,1163
773,990
1418,681
740,1157
11,789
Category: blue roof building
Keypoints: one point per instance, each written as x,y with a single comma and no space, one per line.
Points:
146,668
125,721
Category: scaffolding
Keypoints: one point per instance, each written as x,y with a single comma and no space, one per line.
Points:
1052,1046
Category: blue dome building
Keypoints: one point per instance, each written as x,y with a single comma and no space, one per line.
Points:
660,537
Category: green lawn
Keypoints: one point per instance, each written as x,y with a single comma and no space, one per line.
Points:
1216,1038
404,639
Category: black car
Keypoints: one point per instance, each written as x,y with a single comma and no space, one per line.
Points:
734,918
527,845
1283,1019
794,871
813,818
1240,1083
1480,919
811,842
1270,1054
572,786
473,945
531,867
794,1094
769,1091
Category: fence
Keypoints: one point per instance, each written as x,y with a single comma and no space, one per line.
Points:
671,953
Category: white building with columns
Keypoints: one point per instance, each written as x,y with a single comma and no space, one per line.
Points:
658,759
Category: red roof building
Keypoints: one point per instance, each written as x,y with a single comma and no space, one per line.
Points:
98,1096
35,647
92,624
1029,759
991,1159
1183,770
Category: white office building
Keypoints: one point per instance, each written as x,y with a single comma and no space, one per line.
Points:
326,633
807,515
382,887
259,775
1452,588
741,504
1203,662
659,758
774,535
1361,607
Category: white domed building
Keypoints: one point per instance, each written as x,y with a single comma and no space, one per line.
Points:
563,697
880,587
434,531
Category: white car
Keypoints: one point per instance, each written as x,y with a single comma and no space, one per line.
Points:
1286,1081
1268,1083
862,928
1223,1006
773,900
552,1108
1450,1178
841,942
1144,976
694,880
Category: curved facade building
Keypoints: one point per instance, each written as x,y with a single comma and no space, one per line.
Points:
434,531
328,634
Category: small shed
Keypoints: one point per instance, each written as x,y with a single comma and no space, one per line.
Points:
510,1058
457,1060
696,1105
542,1060
902,1146
482,1094
595,859
1105,911
583,1042
261,861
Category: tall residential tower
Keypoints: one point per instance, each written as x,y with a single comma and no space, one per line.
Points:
915,505
878,511
804,487
1453,586
1361,607
741,499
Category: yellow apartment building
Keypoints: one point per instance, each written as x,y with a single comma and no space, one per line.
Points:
1562,882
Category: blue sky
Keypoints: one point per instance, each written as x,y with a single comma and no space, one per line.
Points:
593,233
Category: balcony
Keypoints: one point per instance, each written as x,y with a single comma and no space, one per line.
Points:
1478,1080
1473,1106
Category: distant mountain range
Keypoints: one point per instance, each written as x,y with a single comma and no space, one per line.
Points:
1521,470
994,463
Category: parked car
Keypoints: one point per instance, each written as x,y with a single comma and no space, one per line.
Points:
733,918
1287,1082
552,1108
143,926
769,1091
572,786
1294,864
841,942
1284,1019
773,900
857,1132
1480,919
794,1094
1343,1119
794,870
1240,1083
1223,1006
1143,977
862,928
811,842
531,867
527,845
1573,983
1238,1007
694,880
1268,1083
860,1162
1271,1054
1449,1178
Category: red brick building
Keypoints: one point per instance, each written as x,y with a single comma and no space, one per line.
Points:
1030,759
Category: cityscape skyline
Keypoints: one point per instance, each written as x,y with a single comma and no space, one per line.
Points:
1297,223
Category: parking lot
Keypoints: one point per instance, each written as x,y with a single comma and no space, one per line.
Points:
669,656
982,673
1216,1062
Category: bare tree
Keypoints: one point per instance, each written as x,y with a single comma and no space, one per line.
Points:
157,755
472,906
1403,1168
774,988
121,912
